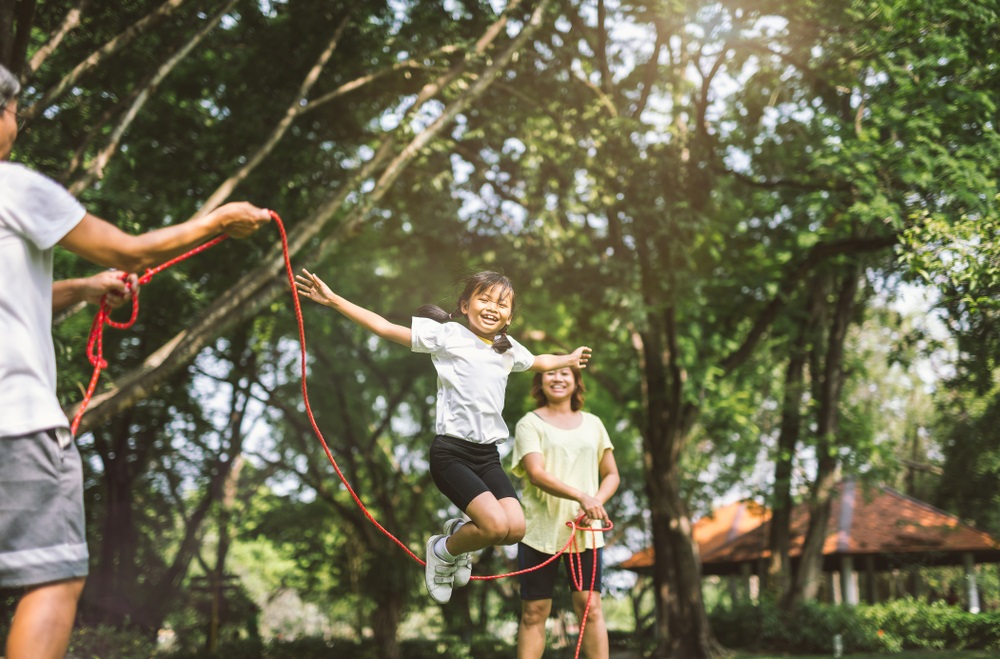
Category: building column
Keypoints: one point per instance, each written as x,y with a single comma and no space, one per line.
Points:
848,585
744,589
970,582
753,584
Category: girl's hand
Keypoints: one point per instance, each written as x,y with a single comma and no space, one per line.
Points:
309,285
580,356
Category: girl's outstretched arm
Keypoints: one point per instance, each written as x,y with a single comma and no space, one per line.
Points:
577,358
310,286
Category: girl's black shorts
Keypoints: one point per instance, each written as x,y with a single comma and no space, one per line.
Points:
463,470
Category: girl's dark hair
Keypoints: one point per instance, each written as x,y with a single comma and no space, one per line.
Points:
481,281
575,402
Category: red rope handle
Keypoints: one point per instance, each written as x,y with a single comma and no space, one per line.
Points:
95,353
95,343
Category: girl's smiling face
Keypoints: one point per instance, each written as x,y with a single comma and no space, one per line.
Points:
489,311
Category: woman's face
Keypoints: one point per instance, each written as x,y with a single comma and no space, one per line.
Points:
558,385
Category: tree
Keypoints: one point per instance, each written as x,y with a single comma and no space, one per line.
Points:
698,168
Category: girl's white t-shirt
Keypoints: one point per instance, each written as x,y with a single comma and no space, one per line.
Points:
35,214
472,379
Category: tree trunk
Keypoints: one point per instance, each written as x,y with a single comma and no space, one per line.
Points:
828,375
16,18
682,623
218,573
111,586
385,623
779,567
682,628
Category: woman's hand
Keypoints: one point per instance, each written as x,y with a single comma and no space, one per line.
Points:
309,285
593,509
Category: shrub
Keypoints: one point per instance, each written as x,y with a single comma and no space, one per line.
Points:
309,647
889,627
107,641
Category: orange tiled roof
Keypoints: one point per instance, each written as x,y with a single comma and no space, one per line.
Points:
879,522
721,526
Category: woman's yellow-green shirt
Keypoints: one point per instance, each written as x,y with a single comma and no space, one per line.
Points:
572,456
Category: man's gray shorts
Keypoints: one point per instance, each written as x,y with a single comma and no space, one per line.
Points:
41,509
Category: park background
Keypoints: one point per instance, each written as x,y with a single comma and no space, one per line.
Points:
775,221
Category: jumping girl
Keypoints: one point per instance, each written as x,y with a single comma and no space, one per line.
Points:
472,364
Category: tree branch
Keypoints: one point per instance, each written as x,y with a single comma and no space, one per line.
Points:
98,56
70,23
96,168
816,255
291,114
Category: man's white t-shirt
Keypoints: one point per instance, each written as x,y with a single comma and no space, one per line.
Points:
35,214
472,379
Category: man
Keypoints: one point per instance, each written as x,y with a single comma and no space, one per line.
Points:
42,542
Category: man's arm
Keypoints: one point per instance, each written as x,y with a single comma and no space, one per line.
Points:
105,244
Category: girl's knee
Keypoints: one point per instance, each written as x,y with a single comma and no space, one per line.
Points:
515,524
494,529
515,534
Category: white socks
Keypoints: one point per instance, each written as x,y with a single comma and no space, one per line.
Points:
441,549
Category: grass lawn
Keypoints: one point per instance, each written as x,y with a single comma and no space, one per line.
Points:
912,654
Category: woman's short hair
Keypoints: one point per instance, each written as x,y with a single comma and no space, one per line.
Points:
10,87
575,402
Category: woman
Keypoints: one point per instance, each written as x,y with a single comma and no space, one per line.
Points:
567,458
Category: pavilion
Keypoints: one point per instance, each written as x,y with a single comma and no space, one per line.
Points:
873,531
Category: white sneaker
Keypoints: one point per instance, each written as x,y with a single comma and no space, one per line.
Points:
439,575
463,564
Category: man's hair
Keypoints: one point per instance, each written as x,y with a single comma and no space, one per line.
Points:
9,87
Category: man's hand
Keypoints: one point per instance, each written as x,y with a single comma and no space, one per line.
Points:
239,219
113,283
